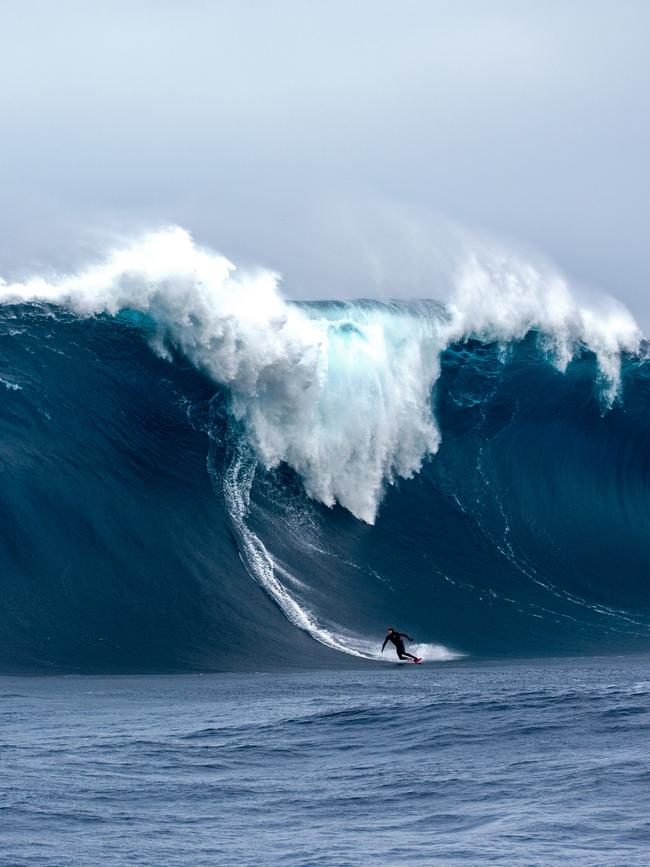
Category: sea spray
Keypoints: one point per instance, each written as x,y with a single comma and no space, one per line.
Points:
345,400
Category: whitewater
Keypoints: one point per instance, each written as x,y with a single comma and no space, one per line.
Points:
343,400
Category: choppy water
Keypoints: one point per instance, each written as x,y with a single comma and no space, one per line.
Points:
532,763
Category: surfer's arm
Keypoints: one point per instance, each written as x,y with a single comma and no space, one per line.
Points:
404,635
384,644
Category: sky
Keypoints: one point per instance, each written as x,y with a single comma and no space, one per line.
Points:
346,145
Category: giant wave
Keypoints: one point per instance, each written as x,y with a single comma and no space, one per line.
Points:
199,474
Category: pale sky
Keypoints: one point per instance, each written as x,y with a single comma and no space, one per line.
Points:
330,140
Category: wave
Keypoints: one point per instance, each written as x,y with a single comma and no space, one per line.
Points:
340,393
475,472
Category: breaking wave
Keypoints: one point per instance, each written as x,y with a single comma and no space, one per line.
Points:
172,428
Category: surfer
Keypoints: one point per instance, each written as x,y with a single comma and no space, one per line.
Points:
397,639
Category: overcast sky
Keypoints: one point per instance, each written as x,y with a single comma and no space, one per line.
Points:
331,140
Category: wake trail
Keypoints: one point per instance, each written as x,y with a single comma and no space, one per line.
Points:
235,486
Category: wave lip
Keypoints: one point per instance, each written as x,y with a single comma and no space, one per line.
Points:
342,394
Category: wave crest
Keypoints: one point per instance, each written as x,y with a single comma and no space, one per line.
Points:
341,392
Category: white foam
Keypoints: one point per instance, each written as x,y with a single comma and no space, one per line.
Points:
10,386
498,297
346,403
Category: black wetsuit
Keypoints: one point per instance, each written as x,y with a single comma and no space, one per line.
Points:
397,639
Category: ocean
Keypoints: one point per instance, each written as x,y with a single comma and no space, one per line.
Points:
214,503
537,762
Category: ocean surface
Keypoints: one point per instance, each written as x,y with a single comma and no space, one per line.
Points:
213,503
528,763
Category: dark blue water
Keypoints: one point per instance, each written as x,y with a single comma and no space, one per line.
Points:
537,763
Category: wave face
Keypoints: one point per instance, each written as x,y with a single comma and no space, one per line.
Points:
198,474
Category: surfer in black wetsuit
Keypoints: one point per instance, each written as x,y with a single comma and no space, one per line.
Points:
398,640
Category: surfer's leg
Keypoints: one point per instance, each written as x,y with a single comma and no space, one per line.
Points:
409,655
